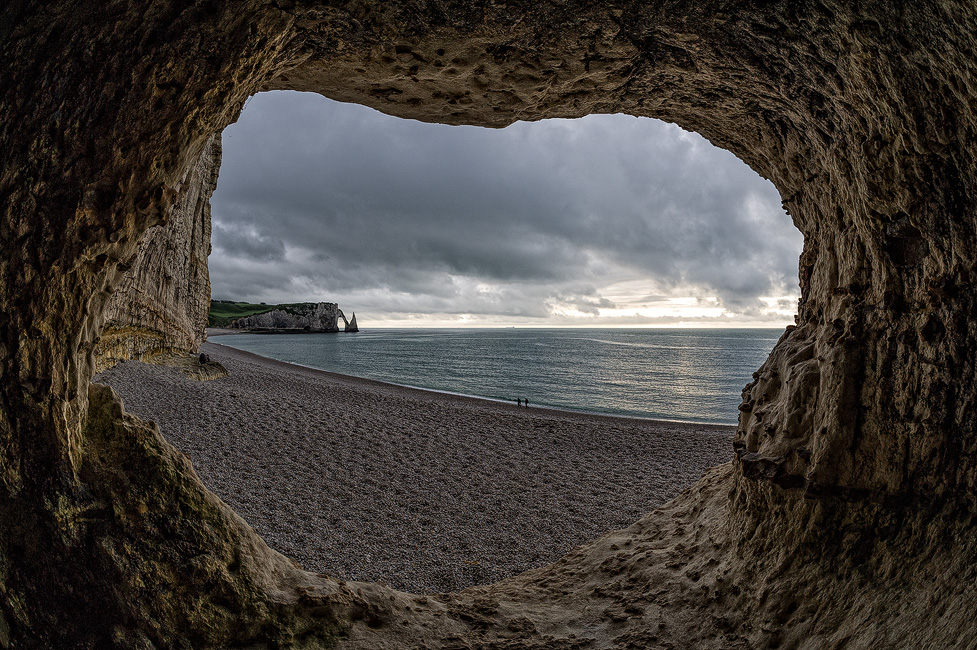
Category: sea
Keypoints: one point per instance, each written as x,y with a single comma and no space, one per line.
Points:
685,375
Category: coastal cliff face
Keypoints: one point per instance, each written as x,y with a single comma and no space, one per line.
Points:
846,518
161,304
313,317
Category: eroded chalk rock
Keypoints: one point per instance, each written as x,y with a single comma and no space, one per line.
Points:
311,317
161,304
848,515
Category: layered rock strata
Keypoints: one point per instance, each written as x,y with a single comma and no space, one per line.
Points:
161,304
847,517
310,317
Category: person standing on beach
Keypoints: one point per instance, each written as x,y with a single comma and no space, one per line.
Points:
519,401
526,400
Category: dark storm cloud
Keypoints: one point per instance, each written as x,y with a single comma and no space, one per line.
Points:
238,240
321,200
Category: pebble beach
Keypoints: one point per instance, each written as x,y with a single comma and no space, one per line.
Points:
422,491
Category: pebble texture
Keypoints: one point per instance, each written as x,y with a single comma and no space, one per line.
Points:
419,490
847,518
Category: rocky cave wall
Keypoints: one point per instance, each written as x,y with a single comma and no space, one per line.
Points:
847,516
162,302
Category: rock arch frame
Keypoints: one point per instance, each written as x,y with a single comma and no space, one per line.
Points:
847,515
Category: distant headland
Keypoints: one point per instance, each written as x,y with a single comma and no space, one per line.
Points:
291,318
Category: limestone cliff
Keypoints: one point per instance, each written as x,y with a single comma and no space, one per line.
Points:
311,317
848,517
162,301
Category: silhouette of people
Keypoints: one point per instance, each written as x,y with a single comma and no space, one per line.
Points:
526,400
519,401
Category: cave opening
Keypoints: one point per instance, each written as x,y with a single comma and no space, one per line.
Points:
543,223
847,514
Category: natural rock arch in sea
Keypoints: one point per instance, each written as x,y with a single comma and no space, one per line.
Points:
847,515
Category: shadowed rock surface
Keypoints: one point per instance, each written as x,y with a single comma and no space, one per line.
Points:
846,518
161,303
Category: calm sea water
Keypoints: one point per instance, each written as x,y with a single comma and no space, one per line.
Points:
693,375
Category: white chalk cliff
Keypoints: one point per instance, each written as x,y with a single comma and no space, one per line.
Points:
313,317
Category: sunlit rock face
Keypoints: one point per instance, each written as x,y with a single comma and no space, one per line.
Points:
161,304
847,515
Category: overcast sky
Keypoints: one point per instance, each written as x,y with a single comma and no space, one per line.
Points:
606,220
